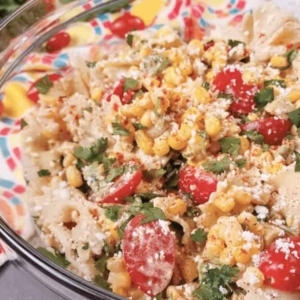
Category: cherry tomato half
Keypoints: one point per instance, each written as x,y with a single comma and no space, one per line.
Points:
125,24
149,254
273,129
123,187
230,81
58,42
280,264
197,182
33,94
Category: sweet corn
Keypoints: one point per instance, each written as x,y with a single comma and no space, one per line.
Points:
177,207
185,131
212,126
279,62
173,293
176,142
145,102
242,256
131,110
69,159
294,95
74,177
224,202
202,95
273,169
242,197
209,76
213,248
227,256
161,147
192,114
254,276
244,145
145,120
185,68
253,117
172,77
195,48
96,94
251,222
145,51
144,142
161,104
188,268
250,77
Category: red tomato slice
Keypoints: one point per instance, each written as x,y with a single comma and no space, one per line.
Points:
33,94
230,81
197,182
192,29
149,254
125,24
123,187
58,42
273,129
280,264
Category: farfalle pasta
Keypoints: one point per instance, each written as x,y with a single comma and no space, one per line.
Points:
167,168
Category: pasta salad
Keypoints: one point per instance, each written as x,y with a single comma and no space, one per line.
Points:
168,168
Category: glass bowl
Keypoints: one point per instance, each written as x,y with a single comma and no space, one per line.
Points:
25,32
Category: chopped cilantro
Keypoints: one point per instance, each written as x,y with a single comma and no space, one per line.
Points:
123,226
107,163
138,94
265,147
57,258
240,162
199,235
294,117
254,136
289,136
218,166
130,84
234,43
114,173
206,85
100,281
89,109
276,82
43,173
230,145
112,212
129,39
43,85
153,173
291,56
138,126
23,123
90,64
86,246
118,129
213,280
297,165
263,97
148,196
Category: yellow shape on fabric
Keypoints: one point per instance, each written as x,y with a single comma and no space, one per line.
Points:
72,13
212,3
147,10
15,100
81,33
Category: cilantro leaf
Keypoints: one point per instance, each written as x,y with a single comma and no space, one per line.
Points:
112,212
43,173
90,64
218,166
123,226
230,145
148,196
83,153
294,117
137,94
130,84
57,258
291,56
114,173
254,136
99,146
234,43
86,246
199,236
263,97
240,162
118,129
206,85
107,163
23,123
297,165
153,173
138,126
100,281
129,39
276,82
43,85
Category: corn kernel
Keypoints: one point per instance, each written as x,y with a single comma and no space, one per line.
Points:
145,51
242,197
172,77
192,114
68,160
146,119
74,177
212,126
202,95
161,147
244,145
195,48
227,256
96,94
242,256
186,68
273,169
177,207
131,110
185,131
176,142
144,142
224,202
279,62
253,117
214,247
294,95
209,76
250,77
